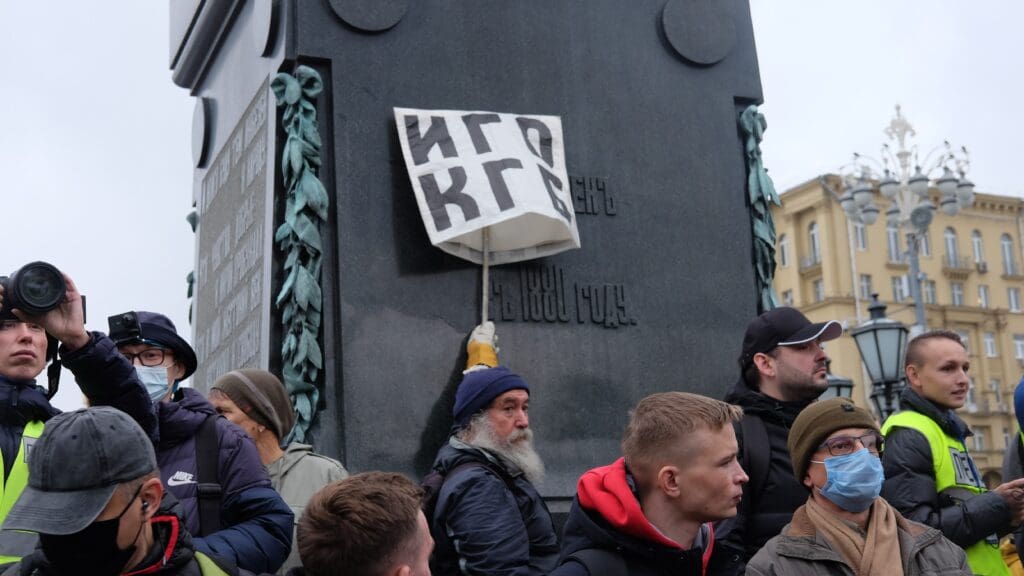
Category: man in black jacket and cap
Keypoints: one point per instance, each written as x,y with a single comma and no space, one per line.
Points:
783,368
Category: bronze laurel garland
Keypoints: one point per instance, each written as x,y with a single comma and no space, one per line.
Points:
761,194
298,239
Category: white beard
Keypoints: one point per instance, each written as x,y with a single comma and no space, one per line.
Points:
517,448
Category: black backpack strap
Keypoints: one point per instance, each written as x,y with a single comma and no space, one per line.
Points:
600,561
207,459
756,454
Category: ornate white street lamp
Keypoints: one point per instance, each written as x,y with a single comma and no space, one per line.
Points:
903,178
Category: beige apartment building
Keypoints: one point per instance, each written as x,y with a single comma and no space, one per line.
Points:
974,279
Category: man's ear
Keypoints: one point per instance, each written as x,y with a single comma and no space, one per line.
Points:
151,494
176,371
913,375
668,481
764,364
400,570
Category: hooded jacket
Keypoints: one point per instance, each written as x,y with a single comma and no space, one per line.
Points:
910,480
800,550
172,553
606,515
765,509
296,476
256,523
481,526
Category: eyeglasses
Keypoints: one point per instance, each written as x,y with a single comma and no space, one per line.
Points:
843,445
148,357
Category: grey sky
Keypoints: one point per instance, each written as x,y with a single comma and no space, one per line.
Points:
95,138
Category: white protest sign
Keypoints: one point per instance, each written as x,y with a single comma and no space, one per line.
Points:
503,172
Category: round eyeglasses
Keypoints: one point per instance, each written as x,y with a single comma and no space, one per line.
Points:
148,357
843,445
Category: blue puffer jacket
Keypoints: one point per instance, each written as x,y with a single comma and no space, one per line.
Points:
480,526
257,524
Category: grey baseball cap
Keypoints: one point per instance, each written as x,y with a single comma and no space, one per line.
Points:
75,466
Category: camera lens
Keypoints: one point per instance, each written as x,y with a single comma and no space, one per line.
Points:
36,288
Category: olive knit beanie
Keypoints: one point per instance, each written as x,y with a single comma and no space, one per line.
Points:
814,424
261,396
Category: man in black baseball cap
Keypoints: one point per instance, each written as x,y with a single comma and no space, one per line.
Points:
783,368
94,496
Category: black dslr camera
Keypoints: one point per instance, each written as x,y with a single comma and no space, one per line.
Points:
35,289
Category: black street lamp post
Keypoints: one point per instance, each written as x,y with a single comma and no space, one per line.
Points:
881,342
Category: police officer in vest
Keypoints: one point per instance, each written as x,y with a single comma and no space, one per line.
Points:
39,306
929,474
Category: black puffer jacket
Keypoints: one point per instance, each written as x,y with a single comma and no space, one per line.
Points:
910,481
769,499
480,526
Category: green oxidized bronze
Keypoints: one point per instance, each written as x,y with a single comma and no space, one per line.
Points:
761,194
299,242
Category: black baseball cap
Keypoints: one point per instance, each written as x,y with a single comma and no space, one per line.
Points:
75,466
783,327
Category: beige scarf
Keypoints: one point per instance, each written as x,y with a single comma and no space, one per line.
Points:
877,553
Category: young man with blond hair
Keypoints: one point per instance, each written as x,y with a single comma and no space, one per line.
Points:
369,524
649,512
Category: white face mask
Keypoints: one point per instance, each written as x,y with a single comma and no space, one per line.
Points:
154,378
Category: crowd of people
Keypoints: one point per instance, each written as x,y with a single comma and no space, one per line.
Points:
155,478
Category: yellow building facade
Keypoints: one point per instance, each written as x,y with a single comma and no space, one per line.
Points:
828,267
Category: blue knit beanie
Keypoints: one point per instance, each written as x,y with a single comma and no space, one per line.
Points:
479,388
1018,403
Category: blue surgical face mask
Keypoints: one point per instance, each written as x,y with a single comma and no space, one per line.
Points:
154,378
854,480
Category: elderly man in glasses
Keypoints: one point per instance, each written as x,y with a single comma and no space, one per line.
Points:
846,527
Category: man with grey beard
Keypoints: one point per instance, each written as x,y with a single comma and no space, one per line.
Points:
489,517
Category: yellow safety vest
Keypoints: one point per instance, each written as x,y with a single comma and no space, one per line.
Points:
954,469
16,543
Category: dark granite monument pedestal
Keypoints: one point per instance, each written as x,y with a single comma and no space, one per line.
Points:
648,92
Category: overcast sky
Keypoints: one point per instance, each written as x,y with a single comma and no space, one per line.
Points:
95,138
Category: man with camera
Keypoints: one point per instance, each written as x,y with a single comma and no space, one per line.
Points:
39,308
207,463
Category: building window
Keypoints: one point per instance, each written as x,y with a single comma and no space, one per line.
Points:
783,250
862,236
957,291
972,404
1013,294
899,289
976,247
997,390
1006,437
787,297
1018,346
952,252
819,290
1009,265
990,344
979,439
925,245
983,295
928,286
865,286
892,235
965,337
815,242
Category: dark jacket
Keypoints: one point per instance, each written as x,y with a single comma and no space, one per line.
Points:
256,523
770,498
172,553
800,550
497,531
910,481
606,515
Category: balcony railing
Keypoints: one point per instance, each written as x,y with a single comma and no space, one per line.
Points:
1012,270
954,266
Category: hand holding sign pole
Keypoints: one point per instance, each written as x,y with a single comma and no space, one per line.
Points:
491,187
